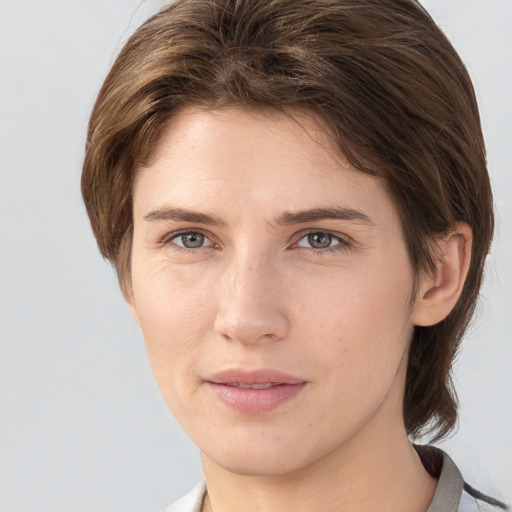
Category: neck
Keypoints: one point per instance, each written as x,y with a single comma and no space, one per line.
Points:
386,475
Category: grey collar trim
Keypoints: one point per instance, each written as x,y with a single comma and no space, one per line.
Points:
450,482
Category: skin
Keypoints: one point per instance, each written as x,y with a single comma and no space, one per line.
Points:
256,294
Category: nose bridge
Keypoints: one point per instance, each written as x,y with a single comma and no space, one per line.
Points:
247,273
249,307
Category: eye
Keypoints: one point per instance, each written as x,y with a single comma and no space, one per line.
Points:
191,240
320,240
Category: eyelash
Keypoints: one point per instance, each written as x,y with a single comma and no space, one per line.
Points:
344,243
169,239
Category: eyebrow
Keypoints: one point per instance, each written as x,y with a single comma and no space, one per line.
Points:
315,214
180,214
286,219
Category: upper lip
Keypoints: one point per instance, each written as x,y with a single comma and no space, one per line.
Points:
260,376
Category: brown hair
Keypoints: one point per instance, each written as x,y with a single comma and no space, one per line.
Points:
392,91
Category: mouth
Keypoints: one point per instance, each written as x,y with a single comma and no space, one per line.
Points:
253,386
255,391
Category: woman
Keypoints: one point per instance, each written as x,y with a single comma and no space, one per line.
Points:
295,197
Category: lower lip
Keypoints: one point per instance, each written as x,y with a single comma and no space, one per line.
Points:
255,400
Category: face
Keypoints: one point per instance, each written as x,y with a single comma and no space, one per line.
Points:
272,286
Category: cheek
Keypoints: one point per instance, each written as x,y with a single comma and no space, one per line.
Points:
168,300
173,316
357,299
358,320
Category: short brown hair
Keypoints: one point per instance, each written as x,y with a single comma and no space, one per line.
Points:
392,91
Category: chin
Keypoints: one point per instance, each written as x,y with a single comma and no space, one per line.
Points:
265,456
261,465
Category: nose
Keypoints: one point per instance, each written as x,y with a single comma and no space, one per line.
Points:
250,301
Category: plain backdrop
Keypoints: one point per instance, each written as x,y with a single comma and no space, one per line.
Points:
82,424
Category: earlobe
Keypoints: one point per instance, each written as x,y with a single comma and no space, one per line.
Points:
438,293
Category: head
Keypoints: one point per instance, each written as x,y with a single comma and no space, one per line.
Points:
380,81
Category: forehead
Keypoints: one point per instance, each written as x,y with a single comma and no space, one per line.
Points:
260,161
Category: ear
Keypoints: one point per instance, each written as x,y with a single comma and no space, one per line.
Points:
439,292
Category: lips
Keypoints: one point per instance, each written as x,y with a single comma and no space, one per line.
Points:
255,391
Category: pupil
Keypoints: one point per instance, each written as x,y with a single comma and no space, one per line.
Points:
192,240
320,240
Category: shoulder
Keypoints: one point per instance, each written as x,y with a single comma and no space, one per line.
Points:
191,502
452,493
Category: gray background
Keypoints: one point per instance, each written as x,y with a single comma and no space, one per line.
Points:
82,425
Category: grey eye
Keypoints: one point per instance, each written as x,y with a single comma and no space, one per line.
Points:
320,240
192,240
